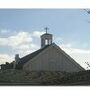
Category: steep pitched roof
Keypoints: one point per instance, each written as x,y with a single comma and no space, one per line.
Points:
70,58
26,58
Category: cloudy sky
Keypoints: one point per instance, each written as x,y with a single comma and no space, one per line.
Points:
20,32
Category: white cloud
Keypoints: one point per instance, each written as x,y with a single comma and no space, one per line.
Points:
3,41
26,49
19,39
79,55
71,50
5,58
68,45
21,43
13,41
37,34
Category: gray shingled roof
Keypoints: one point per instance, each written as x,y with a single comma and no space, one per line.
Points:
28,57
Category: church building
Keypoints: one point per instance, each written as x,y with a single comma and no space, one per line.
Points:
50,57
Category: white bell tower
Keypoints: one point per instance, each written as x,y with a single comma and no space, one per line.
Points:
46,39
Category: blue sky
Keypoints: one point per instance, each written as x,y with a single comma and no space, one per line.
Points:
69,27
70,24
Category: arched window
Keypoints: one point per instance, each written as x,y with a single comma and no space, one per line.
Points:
46,42
49,42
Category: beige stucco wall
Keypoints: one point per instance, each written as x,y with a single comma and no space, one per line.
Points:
51,59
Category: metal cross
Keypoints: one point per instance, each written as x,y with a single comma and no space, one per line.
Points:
46,28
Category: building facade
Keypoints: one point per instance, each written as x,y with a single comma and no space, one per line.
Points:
49,57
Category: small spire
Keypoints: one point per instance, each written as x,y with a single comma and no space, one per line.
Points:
46,28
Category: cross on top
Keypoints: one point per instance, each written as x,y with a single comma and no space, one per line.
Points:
46,28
